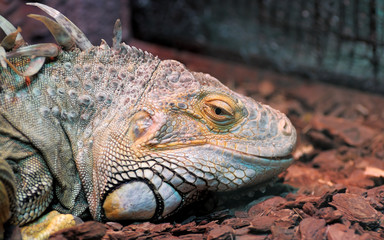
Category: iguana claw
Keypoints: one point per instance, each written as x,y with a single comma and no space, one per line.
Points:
41,50
47,225
10,40
62,37
35,65
8,28
81,40
37,53
3,55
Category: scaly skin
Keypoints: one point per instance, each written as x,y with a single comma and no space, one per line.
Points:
125,136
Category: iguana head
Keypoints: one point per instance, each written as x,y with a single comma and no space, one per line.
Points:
152,136
187,134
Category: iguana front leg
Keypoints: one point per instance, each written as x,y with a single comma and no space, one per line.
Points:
26,184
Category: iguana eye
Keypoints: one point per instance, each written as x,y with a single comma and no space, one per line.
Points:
219,111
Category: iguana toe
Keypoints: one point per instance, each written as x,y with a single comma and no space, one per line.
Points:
47,225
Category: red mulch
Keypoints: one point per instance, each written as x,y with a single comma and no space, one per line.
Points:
332,191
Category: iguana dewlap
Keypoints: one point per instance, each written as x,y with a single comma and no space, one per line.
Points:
120,134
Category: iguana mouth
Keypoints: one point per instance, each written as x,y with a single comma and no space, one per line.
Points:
243,155
287,157
257,160
249,156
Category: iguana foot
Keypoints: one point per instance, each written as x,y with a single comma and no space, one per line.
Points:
47,225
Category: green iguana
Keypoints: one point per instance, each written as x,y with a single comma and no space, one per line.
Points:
117,134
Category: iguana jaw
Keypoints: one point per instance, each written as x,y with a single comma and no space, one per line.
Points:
225,169
149,197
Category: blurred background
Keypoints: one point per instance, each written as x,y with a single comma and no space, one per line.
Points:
337,41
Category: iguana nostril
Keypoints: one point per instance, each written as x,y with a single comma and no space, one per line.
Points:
285,127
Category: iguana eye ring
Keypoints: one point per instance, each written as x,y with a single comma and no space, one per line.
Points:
221,107
221,111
